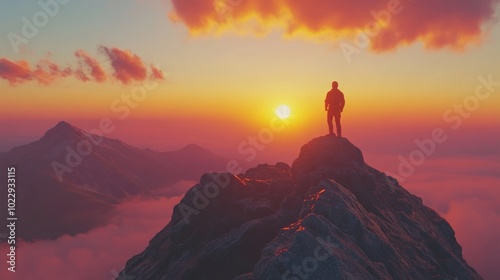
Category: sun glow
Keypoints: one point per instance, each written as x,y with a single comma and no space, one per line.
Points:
283,112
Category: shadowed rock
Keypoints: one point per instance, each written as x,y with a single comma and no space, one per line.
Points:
331,216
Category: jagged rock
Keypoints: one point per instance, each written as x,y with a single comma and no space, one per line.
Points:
330,216
268,172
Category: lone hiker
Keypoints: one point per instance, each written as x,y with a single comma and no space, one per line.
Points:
334,104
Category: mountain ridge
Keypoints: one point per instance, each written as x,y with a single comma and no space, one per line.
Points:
87,175
328,216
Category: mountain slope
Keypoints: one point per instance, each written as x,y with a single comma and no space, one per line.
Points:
330,216
69,180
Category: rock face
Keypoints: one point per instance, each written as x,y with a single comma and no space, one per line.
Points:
329,216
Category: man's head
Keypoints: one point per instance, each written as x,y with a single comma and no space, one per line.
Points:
335,84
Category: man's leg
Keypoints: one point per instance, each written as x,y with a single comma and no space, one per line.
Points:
329,120
337,123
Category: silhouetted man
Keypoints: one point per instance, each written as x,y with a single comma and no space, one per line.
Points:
334,104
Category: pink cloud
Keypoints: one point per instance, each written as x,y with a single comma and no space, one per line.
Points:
86,62
437,24
15,72
156,74
127,67
45,72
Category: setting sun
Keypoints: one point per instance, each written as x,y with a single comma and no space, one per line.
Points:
283,112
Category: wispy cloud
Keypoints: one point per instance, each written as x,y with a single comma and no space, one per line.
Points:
89,67
45,71
126,67
156,73
15,72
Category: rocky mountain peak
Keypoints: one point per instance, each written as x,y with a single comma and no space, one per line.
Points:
329,216
63,127
327,153
65,133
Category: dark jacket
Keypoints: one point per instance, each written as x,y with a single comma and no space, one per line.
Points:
335,100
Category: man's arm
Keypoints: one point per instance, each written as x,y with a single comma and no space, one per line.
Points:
342,102
326,101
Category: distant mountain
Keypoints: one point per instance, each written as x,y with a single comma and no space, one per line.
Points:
329,216
70,179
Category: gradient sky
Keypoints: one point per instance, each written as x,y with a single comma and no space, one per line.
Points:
231,80
226,69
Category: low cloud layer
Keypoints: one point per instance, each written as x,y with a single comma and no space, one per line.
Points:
470,202
99,254
392,23
126,67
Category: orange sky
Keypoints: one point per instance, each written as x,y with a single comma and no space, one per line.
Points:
170,73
